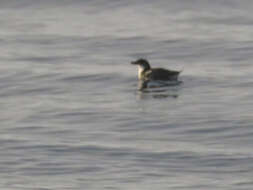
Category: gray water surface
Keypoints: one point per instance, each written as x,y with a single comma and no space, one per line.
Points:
72,116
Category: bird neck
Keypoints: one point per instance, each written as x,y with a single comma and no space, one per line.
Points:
141,71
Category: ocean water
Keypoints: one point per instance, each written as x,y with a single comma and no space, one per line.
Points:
72,116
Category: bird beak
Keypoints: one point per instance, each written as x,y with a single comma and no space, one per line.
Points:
133,63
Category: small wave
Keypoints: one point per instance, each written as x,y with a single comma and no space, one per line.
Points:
89,77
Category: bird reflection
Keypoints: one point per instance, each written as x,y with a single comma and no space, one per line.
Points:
158,89
142,85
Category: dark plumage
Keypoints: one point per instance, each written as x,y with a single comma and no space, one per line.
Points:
145,72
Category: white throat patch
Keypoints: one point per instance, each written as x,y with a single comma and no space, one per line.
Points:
140,70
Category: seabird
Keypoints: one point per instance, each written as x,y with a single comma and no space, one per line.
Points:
146,73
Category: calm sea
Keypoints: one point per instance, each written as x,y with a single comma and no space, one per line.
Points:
72,117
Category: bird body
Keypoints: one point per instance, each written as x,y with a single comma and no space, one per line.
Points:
145,72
